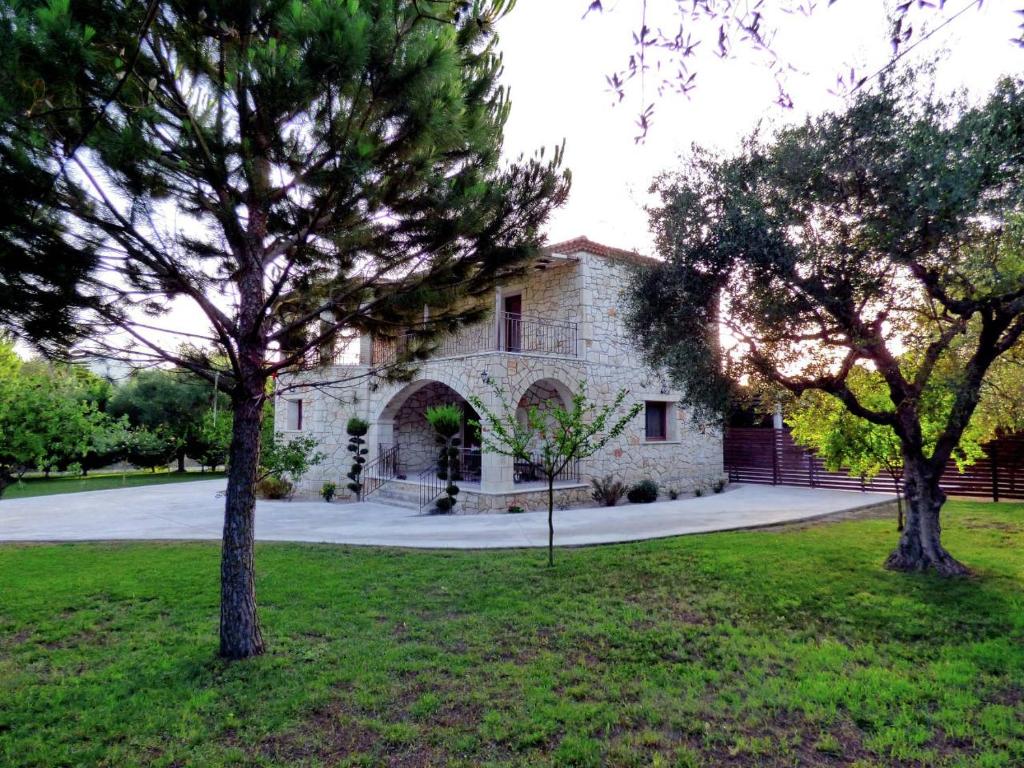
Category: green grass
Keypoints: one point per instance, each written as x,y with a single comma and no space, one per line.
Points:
47,486
782,648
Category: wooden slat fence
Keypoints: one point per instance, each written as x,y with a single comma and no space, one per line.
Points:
770,456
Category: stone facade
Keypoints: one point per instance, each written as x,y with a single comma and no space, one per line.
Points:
571,331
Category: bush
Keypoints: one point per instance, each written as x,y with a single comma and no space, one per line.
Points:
515,509
643,492
444,505
272,487
327,490
698,491
673,494
607,491
718,486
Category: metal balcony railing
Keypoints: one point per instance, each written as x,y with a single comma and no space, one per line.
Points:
514,333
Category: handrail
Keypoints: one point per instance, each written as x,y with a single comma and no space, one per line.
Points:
379,471
516,333
527,471
431,486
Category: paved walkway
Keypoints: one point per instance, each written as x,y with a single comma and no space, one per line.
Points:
194,510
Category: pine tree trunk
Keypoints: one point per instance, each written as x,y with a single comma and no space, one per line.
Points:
240,635
920,547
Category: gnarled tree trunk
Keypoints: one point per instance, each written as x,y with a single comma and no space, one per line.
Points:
240,635
920,547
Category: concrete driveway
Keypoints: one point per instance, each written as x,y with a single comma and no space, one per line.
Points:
194,510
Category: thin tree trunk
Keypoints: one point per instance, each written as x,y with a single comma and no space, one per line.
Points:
240,635
181,460
899,503
551,520
920,547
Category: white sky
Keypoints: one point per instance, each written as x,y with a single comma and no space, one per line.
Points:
556,62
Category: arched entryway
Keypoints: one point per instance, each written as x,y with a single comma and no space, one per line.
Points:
405,414
542,394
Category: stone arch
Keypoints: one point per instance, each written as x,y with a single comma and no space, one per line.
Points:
402,423
393,403
544,389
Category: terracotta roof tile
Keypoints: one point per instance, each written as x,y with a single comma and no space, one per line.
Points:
586,244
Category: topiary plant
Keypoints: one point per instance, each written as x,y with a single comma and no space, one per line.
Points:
643,492
356,429
447,423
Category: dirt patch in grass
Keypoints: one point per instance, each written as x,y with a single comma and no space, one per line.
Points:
330,734
992,525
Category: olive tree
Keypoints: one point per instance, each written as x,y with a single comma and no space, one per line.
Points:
893,224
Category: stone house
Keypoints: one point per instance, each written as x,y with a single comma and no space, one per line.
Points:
556,326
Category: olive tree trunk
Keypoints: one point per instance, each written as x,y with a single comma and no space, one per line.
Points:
920,546
240,635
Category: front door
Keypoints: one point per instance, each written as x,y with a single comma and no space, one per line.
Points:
513,323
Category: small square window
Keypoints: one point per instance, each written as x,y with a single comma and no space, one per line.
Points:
293,415
656,420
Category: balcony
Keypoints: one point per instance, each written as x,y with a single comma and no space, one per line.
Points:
514,333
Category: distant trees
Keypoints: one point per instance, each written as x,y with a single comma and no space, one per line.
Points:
173,406
52,418
56,417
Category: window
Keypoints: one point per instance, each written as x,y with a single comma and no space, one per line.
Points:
293,415
656,420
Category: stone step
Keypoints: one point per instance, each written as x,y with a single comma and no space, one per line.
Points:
399,493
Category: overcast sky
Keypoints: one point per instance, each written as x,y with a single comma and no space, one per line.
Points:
555,63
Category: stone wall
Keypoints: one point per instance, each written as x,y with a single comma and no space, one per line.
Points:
589,292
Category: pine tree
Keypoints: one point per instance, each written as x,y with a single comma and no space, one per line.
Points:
300,172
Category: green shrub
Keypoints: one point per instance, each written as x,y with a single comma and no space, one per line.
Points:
698,491
515,509
444,505
607,491
643,492
328,490
273,487
718,486
673,494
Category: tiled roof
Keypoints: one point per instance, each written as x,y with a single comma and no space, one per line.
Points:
577,244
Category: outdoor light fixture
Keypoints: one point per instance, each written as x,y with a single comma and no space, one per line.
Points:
485,377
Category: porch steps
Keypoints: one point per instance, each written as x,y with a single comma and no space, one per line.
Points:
398,493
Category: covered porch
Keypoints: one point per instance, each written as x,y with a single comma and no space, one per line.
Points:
406,449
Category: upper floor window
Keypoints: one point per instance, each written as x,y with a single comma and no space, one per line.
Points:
656,420
293,415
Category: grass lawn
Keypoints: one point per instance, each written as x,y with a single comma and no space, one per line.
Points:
46,486
782,648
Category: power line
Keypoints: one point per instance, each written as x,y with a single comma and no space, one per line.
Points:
909,48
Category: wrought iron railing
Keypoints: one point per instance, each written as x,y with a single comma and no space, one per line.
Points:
514,333
522,333
530,471
380,470
431,486
468,470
